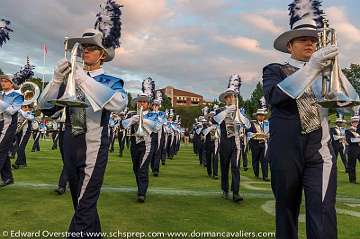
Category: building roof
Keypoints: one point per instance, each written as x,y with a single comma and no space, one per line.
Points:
178,92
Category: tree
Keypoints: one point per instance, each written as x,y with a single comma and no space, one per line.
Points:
1,72
253,103
353,75
166,103
130,105
187,115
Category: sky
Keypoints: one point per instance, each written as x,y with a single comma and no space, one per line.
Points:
193,45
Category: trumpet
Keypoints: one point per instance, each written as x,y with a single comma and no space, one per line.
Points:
140,132
337,91
69,98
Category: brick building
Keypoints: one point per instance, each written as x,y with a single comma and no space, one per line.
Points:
182,98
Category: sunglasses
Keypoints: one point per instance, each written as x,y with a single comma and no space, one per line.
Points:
91,47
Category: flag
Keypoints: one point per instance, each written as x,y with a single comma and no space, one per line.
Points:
45,48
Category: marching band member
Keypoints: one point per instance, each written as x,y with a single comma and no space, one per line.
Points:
259,134
211,146
353,140
112,123
36,134
166,133
24,132
121,133
10,104
338,140
230,137
160,137
142,126
171,135
201,140
86,136
63,178
299,150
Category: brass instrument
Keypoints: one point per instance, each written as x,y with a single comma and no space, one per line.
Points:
335,86
140,132
69,98
30,91
20,126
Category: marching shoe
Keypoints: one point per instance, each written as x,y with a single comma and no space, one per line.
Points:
225,195
7,182
60,190
237,198
141,199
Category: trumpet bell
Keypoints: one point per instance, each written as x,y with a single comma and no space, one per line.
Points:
30,91
69,97
338,91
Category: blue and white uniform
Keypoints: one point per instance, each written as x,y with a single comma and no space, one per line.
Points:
159,140
142,148
10,104
24,134
86,140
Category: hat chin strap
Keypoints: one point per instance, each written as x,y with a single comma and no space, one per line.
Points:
89,67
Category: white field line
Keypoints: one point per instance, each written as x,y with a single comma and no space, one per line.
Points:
170,191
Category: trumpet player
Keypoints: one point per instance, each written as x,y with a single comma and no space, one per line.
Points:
86,136
300,150
230,119
23,132
159,136
259,134
353,140
142,125
338,140
10,104
212,139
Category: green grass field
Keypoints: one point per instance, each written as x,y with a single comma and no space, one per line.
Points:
181,199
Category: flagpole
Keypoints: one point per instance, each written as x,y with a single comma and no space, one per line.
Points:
43,80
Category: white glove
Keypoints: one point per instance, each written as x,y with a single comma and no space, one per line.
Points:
295,84
62,69
80,75
320,57
135,118
230,109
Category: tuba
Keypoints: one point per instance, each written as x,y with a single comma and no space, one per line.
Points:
30,91
336,89
69,98
140,132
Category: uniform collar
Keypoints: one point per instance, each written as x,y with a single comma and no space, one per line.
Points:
96,72
296,63
8,92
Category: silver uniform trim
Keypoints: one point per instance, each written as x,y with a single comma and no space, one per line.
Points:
93,142
325,151
147,150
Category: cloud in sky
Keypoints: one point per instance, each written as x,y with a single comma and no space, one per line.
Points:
192,45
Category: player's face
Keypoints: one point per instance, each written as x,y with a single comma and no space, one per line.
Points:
143,103
92,55
229,99
6,84
302,48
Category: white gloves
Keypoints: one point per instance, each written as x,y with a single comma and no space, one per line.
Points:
80,75
295,84
135,118
320,57
231,109
62,69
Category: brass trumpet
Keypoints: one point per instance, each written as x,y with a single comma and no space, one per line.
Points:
336,89
69,98
140,132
